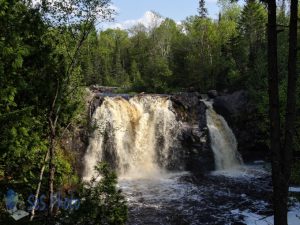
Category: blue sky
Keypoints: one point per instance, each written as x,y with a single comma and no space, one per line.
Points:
175,9
132,10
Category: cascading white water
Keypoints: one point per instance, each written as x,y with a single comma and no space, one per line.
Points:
138,134
223,141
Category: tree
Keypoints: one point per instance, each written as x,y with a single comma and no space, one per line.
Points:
135,75
71,21
291,101
90,62
29,64
203,45
281,151
202,10
231,60
283,7
252,28
101,201
121,77
158,72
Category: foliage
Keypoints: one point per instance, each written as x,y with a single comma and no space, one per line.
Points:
38,62
202,10
102,203
159,57
54,49
22,57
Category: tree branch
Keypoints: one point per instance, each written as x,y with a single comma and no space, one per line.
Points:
39,186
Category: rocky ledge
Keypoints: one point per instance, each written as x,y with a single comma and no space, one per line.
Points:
195,151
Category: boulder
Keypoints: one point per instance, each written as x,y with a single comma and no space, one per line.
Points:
231,105
212,94
196,152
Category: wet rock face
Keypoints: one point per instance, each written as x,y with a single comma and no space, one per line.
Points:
75,142
197,155
103,89
231,105
240,115
94,104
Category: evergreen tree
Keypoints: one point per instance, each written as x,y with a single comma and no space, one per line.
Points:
202,10
136,78
252,27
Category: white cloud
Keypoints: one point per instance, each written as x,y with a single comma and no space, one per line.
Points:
149,20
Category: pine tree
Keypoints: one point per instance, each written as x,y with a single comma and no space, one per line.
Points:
252,28
135,74
202,10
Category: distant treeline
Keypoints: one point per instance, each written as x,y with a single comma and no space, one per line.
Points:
200,52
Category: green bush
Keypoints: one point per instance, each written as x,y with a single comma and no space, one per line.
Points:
101,202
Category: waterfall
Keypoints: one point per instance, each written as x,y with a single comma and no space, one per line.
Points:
136,136
223,141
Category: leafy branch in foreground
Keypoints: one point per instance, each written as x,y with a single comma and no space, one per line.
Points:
101,201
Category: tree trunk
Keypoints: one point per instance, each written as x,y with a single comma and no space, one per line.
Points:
291,92
51,166
279,195
39,186
287,154
282,155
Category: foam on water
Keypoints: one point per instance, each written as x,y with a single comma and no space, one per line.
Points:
223,141
136,136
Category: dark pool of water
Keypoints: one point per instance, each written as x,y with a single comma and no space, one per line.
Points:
184,199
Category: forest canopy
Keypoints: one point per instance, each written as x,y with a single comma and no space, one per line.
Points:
52,51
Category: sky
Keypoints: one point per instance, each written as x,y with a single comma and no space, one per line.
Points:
131,12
